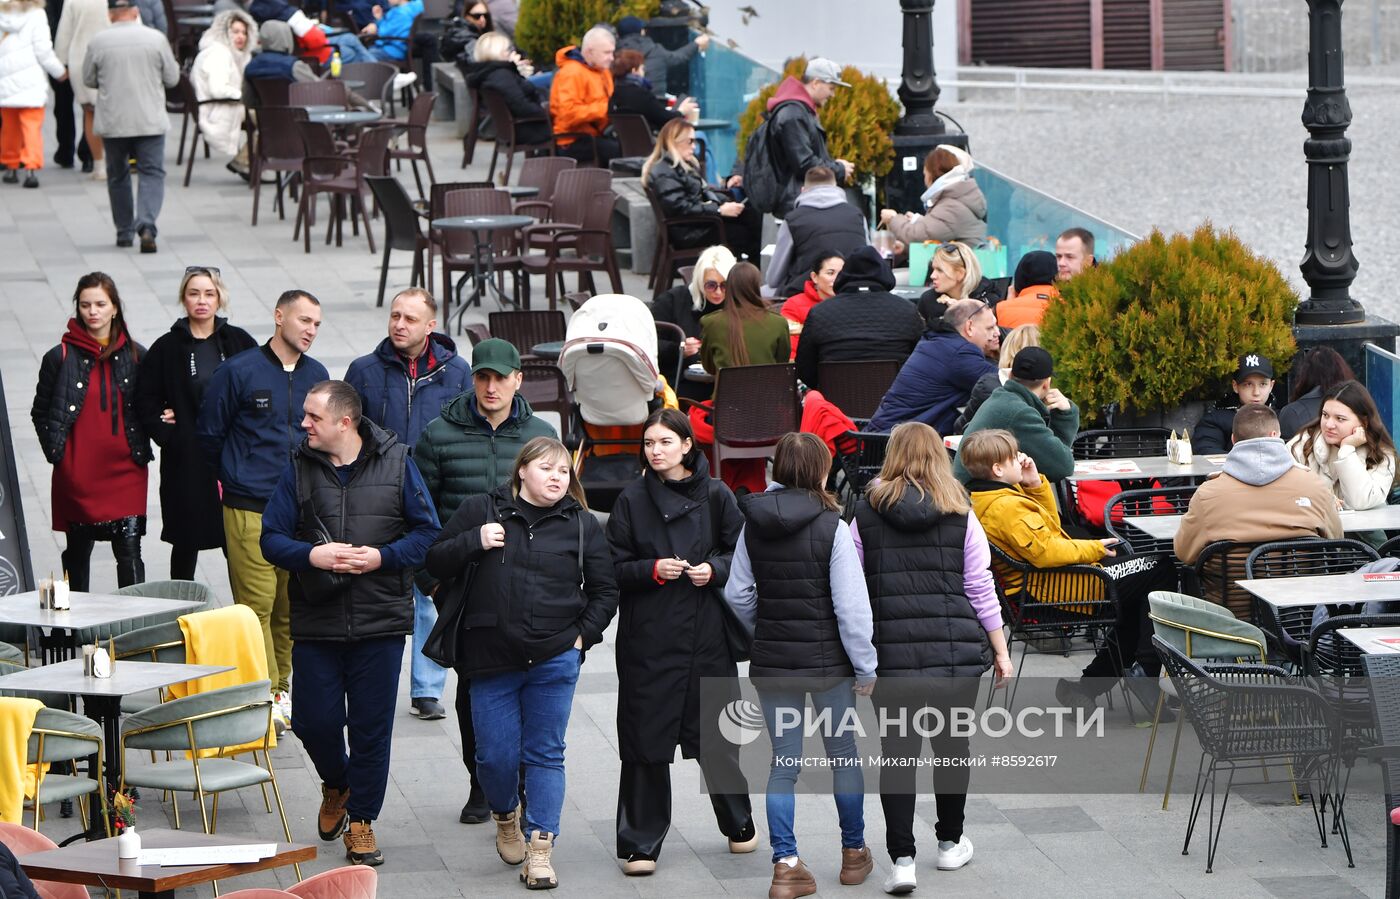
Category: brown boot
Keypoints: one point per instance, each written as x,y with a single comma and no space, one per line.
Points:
856,865
538,873
330,820
510,842
361,848
791,882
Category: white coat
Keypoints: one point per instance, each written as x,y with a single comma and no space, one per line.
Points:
218,75
26,53
1344,467
81,20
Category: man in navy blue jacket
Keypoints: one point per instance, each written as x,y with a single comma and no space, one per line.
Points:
938,376
403,385
249,426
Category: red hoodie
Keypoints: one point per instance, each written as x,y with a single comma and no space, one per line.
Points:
798,307
791,89
97,480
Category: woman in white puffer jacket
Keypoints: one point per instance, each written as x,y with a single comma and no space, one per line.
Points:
224,52
1350,447
26,54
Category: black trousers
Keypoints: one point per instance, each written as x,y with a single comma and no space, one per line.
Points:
644,804
183,560
1131,638
64,127
582,150
899,699
126,548
464,723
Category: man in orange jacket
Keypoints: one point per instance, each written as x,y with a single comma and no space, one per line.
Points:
578,99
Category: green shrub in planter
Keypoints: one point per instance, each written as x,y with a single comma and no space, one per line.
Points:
547,26
1164,322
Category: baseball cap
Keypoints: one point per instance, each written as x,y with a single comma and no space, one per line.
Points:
822,69
496,355
1254,364
1032,364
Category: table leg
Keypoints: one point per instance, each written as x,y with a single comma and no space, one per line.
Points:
105,710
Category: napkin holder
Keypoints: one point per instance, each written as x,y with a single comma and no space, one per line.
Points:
1179,448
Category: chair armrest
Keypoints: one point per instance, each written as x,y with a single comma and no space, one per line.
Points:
546,207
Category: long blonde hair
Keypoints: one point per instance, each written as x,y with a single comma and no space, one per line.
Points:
668,143
916,457
1017,339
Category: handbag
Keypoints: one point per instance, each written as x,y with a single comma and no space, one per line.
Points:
317,584
736,635
444,640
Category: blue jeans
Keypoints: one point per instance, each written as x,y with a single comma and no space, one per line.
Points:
426,678
782,777
351,50
149,153
520,718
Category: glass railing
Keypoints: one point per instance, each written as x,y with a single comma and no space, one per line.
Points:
1383,380
724,81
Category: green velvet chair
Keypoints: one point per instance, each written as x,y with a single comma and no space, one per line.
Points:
60,736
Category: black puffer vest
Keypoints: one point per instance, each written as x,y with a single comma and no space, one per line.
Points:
924,624
368,511
789,536
819,230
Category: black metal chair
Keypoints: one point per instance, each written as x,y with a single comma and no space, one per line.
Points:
1213,577
1144,503
402,230
859,457
1290,628
1390,547
1383,677
1120,443
1274,718
857,387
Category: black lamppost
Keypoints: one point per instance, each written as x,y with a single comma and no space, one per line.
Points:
919,130
1329,266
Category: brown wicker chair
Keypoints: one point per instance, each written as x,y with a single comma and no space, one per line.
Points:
525,328
754,405
857,387
402,230
667,256
633,134
585,250
416,126
506,137
343,177
542,172
278,149
318,93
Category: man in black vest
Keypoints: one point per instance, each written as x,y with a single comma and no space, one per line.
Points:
822,220
351,503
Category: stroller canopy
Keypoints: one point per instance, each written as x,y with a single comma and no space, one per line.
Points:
609,359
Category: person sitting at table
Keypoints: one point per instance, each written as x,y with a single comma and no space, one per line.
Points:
1350,447
1035,288
497,68
1043,419
1319,370
14,883
954,274
275,60
685,305
217,75
1016,339
939,375
956,208
390,31
578,98
1261,495
311,40
1015,505
1252,382
822,220
820,285
632,94
673,174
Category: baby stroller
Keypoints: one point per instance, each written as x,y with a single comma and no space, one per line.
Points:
609,361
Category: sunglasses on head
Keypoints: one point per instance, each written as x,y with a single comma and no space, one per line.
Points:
201,270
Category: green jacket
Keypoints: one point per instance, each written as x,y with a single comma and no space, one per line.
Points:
1044,435
459,456
765,337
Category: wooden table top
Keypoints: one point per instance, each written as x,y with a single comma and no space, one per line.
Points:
96,863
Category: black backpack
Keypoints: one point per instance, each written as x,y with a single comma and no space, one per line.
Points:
762,183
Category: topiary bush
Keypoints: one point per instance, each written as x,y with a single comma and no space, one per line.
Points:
1165,322
858,119
547,26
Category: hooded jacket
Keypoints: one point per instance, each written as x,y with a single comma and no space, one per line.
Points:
959,212
862,321
1344,467
937,379
796,141
502,78
218,75
822,220
1043,434
403,397
1261,495
1024,523
578,98
77,23
26,54
525,603
798,307
275,59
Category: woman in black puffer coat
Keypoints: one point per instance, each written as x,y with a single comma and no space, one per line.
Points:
88,429
493,70
673,174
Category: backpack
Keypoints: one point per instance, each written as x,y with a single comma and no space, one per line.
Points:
456,32
762,183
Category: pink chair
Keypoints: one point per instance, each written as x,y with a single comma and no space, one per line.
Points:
258,893
22,841
354,882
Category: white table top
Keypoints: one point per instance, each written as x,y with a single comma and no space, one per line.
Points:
127,677
1384,518
1320,589
1144,467
88,609
1373,640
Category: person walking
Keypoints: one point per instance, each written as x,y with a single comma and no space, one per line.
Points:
169,392
64,131
796,584
937,624
673,532
81,19
355,486
26,53
249,427
131,66
403,385
540,596
90,433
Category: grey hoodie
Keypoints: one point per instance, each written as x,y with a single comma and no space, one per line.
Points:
827,196
1259,461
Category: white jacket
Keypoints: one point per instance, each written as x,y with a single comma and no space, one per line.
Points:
1344,467
81,19
217,74
26,53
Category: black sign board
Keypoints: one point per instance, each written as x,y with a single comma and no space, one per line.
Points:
16,570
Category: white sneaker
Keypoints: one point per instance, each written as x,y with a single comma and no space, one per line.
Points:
282,702
952,856
901,879
404,79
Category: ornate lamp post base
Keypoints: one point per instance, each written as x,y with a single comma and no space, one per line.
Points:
920,129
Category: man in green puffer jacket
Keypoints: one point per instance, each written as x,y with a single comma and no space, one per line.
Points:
1043,419
468,450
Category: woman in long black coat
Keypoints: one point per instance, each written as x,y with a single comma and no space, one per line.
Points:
168,395
673,533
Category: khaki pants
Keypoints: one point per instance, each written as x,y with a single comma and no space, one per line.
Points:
262,588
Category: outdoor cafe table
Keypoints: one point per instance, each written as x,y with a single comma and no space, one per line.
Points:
1384,518
89,610
712,124
341,118
1372,640
96,864
1317,590
102,697
483,256
551,349
1144,468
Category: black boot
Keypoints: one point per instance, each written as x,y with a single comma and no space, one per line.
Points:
127,550
476,811
76,559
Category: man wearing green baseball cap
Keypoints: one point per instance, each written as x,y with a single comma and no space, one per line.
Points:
469,449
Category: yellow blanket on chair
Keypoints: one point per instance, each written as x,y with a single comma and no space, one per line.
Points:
227,636
16,723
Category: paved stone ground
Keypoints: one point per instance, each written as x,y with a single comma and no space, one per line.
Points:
1047,845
